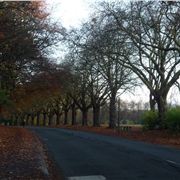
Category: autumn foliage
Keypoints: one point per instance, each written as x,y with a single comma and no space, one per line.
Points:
25,34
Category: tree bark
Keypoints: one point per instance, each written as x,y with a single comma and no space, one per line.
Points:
16,122
84,117
32,119
27,119
65,117
58,118
38,119
1,116
162,108
112,111
22,119
96,113
12,119
152,102
50,119
73,109
44,119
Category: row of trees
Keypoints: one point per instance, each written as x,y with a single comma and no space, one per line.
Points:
26,33
43,103
119,48
124,44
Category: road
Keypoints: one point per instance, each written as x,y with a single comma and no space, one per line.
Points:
84,154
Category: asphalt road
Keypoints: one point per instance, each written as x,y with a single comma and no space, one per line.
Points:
83,154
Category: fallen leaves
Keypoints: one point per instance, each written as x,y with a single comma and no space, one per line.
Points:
22,156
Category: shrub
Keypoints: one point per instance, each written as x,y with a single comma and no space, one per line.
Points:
172,121
6,121
150,120
130,122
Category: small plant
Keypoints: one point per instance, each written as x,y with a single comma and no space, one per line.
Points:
150,120
172,121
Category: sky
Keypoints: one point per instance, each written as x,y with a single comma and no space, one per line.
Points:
71,13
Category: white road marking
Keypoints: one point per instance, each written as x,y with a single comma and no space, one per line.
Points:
169,161
175,164
99,177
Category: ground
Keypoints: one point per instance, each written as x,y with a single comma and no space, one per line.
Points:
23,156
82,154
161,137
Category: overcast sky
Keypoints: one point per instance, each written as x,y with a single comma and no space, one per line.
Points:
71,13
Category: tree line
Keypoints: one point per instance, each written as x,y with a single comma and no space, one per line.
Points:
119,48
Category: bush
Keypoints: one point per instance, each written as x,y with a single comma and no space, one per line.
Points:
6,121
172,121
150,120
130,122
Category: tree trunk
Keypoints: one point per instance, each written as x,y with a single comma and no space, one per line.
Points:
44,119
73,109
27,119
16,120
112,111
58,118
84,117
12,119
38,119
32,119
22,119
96,113
162,108
152,102
1,116
65,117
50,119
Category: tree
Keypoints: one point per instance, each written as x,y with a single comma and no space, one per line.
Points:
83,100
58,110
80,74
152,30
39,96
108,53
66,105
26,33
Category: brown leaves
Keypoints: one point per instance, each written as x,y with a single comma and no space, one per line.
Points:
22,156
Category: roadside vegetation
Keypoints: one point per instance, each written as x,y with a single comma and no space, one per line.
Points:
119,48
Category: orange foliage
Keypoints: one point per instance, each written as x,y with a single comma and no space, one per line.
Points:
38,9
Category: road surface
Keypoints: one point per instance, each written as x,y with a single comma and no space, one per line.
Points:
85,154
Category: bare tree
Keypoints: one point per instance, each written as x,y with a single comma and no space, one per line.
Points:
108,55
152,30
